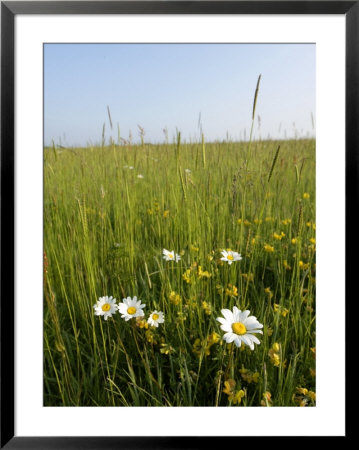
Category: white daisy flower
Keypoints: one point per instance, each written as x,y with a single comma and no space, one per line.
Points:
105,306
240,327
170,256
155,318
230,256
130,308
188,171
140,175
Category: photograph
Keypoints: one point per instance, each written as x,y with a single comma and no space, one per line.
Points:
179,224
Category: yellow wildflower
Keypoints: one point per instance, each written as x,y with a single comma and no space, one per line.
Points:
279,237
294,241
187,276
237,397
248,276
207,308
229,386
166,213
141,323
239,221
312,395
306,195
267,399
268,248
268,292
286,265
312,240
175,298
286,221
232,291
257,221
203,273
269,219
247,223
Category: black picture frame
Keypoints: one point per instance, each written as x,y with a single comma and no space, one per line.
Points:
9,9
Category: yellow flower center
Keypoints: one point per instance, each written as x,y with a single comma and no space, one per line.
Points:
131,310
155,316
230,257
106,307
170,255
239,328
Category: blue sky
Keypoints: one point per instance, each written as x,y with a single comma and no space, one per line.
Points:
161,86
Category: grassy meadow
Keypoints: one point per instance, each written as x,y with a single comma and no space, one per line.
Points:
109,211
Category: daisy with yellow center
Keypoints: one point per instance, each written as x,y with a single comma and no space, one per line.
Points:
240,327
156,318
230,256
105,306
130,308
170,256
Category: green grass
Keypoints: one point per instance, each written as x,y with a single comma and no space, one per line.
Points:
104,232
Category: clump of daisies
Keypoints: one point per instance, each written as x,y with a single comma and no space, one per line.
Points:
240,327
170,255
129,308
230,256
105,306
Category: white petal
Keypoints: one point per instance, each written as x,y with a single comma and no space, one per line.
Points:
226,327
221,320
236,314
244,316
228,315
254,331
238,341
254,339
247,340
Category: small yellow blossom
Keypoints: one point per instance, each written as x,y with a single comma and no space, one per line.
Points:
286,221
302,391
269,219
267,399
203,273
232,291
141,323
175,298
229,386
150,337
239,221
237,397
303,266
312,395
268,292
257,221
248,276
278,237
286,265
275,356
249,376
306,195
207,308
166,213
282,311
247,223
187,276
294,241
194,248
312,240
268,248
166,348
149,212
